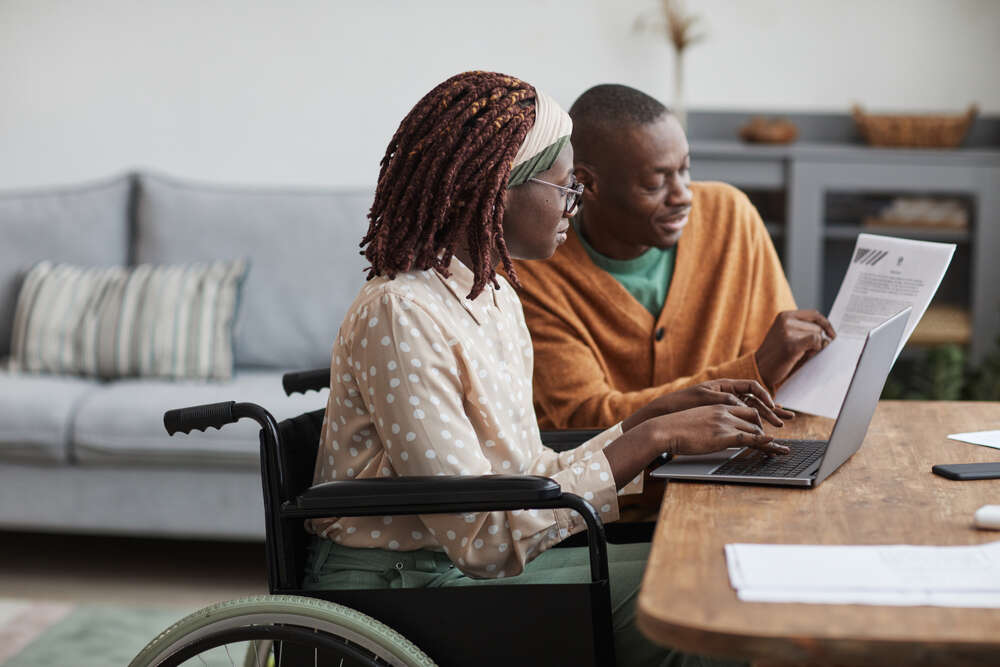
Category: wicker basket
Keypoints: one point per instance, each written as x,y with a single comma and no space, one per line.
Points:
914,131
760,130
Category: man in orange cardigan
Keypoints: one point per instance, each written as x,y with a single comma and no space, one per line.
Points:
661,284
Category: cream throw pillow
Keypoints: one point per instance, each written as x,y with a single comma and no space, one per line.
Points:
148,321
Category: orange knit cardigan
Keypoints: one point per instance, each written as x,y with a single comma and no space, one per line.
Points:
600,355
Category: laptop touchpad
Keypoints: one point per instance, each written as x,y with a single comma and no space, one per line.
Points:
700,464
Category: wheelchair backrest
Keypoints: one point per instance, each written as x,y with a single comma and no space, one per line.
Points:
297,452
293,470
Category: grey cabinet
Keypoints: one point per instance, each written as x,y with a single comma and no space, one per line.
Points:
804,177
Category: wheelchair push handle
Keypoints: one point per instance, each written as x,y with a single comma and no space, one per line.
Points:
199,417
299,382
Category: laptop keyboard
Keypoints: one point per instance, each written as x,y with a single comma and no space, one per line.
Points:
754,463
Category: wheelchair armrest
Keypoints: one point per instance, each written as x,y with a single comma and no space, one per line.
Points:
449,495
299,382
563,440
386,494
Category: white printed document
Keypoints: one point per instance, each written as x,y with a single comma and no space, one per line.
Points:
885,276
984,438
967,576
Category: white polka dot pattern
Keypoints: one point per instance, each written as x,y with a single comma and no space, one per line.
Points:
451,389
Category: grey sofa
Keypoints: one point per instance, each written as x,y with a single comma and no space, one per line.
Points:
80,455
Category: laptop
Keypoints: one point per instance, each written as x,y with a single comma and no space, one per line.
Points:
810,461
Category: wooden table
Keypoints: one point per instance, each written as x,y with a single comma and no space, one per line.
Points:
885,494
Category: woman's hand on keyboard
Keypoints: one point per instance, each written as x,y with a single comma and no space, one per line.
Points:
699,430
711,428
713,392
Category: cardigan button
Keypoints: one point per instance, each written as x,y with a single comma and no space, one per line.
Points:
660,333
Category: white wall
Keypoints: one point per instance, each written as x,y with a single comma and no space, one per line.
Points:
307,92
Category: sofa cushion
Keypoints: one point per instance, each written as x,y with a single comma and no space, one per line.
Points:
122,422
305,266
84,225
36,414
172,321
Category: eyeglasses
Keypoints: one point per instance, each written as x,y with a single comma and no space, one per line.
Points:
573,194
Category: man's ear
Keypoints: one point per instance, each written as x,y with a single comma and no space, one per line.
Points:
586,175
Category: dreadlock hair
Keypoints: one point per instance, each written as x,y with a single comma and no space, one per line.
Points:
444,176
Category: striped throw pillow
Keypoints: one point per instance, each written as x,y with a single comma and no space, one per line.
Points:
147,321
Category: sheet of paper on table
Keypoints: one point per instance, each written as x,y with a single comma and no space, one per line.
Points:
885,276
984,438
966,576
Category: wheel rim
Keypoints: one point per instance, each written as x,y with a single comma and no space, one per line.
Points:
297,635
314,622
292,620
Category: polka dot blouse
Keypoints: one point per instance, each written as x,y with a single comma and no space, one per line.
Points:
426,382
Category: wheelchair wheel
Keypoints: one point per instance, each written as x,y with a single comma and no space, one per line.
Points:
276,630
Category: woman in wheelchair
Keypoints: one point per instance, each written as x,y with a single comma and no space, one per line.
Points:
431,370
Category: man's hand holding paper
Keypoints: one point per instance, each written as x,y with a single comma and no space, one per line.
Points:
885,276
794,338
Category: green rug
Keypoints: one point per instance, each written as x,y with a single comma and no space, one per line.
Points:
48,634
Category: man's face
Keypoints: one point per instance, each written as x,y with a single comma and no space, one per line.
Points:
643,183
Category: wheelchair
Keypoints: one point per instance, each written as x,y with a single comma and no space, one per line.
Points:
528,624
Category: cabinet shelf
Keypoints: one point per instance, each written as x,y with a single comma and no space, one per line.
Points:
943,324
846,232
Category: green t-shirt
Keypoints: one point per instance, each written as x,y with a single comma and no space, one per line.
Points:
646,277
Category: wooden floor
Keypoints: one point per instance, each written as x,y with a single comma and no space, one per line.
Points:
76,568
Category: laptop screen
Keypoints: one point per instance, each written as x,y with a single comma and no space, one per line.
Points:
862,395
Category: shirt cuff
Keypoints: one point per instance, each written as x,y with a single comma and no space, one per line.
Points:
743,367
589,476
604,439
755,371
633,487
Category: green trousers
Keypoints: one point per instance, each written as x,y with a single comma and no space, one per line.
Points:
331,566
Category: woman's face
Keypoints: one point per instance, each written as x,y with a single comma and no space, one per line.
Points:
534,223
